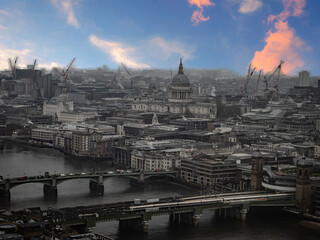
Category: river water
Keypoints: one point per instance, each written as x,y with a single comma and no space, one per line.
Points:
18,161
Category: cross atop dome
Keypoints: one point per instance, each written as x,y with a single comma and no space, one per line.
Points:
180,67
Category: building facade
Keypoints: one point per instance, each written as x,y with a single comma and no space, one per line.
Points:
155,160
204,171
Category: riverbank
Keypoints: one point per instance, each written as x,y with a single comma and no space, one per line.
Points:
34,145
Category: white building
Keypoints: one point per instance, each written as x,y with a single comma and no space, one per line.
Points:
75,116
64,111
156,159
55,108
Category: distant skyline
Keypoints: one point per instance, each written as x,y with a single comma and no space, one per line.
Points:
143,34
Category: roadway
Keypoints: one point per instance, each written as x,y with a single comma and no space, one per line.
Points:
91,175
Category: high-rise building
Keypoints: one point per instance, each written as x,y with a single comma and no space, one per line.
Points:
304,80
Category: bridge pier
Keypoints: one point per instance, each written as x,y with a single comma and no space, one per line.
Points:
174,218
50,192
96,189
186,218
138,225
191,218
5,195
196,220
138,182
145,226
243,213
141,177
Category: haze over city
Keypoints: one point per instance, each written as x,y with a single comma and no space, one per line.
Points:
154,34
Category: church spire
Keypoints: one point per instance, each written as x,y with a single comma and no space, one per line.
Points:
180,67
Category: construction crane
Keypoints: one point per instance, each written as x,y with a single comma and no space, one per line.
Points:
250,73
276,80
64,73
110,83
266,82
12,66
277,70
127,72
126,69
258,82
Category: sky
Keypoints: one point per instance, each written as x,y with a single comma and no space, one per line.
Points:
144,34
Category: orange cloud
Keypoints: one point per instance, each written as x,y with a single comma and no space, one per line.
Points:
197,15
281,41
292,8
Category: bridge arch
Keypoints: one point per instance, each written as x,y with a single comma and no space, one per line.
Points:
18,184
160,175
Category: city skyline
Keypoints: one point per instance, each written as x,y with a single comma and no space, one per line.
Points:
205,33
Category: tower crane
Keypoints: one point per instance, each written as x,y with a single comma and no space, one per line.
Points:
258,81
250,73
278,69
127,72
266,82
126,69
12,66
64,73
276,80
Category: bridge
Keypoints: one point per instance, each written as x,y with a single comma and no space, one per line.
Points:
137,215
96,179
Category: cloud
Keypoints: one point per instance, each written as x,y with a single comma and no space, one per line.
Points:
292,8
118,52
66,6
249,6
168,48
49,65
197,15
25,57
281,41
6,53
3,12
4,15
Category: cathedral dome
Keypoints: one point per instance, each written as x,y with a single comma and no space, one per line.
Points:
180,80
179,90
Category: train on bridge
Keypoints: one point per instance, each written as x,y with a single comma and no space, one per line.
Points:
198,201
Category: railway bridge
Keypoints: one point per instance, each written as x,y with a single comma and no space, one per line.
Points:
96,179
137,216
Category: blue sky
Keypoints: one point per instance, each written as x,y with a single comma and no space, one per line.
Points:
156,33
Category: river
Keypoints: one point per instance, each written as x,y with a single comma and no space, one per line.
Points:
18,161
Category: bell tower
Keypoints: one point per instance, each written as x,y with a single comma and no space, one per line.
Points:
303,188
256,171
